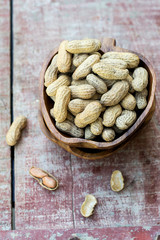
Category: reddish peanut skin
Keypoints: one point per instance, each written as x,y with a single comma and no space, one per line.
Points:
49,182
36,172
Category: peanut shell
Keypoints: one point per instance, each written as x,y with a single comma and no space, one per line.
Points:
131,59
51,72
64,59
83,46
117,181
88,206
107,71
115,94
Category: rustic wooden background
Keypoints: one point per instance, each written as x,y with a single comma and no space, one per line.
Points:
39,26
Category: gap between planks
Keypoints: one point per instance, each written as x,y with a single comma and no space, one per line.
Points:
72,192
12,117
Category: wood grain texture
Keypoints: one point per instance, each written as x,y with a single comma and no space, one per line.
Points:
38,28
5,166
125,233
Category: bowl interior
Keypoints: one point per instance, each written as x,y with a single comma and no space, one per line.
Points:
98,143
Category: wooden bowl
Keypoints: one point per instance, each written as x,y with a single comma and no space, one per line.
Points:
90,149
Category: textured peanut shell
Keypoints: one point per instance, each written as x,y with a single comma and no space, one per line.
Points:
47,180
63,96
72,69
51,72
84,91
86,67
79,58
36,172
89,115
141,99
79,82
83,46
109,83
97,127
110,115
98,53
69,117
131,59
78,105
140,79
108,134
115,94
129,102
96,96
64,59
63,80
70,128
129,79
126,119
118,63
88,134
15,129
97,83
88,206
117,181
107,71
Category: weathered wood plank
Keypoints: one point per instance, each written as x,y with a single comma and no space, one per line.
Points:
139,203
5,160
124,233
39,26
35,207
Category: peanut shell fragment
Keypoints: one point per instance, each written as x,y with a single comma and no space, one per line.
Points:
117,181
88,205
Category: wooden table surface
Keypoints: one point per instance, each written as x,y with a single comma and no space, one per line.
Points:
29,30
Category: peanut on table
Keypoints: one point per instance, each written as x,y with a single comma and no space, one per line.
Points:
102,94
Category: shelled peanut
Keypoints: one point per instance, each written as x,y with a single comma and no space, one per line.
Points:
45,179
95,94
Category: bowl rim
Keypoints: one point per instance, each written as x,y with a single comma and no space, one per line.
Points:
95,144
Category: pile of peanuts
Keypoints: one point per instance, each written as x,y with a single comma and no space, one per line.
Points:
95,95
